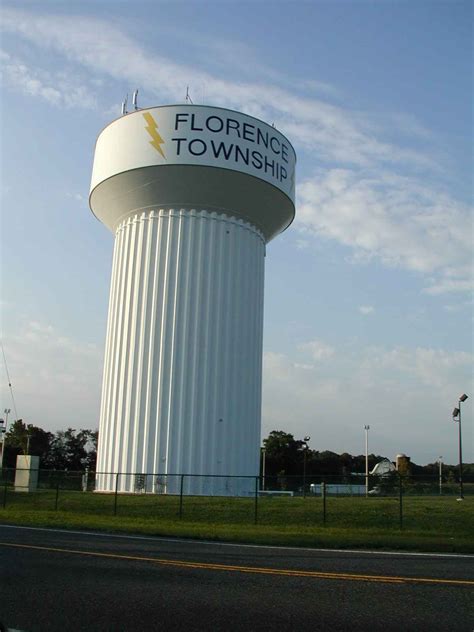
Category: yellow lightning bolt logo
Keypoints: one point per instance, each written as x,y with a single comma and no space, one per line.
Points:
152,129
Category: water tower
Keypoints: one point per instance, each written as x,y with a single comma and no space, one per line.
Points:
192,195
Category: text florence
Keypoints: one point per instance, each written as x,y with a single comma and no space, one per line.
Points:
231,152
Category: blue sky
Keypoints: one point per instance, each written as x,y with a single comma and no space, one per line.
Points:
368,299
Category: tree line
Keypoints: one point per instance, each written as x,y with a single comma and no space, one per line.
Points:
282,454
285,455
69,449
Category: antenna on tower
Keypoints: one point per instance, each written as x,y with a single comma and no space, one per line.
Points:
188,98
134,99
124,105
9,383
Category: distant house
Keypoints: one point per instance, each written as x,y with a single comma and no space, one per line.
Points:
383,468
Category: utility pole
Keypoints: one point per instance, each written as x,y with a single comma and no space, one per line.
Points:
305,451
366,428
440,462
3,434
457,413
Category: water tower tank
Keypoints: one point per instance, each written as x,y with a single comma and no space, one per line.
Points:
192,195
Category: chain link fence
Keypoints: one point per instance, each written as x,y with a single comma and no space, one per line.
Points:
240,499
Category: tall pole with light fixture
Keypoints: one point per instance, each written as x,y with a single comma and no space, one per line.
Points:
7,411
366,428
2,441
305,447
3,434
440,463
457,413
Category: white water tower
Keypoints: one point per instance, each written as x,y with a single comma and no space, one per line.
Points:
192,195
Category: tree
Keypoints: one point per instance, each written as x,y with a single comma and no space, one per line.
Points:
283,453
22,438
16,438
70,450
65,450
91,457
326,462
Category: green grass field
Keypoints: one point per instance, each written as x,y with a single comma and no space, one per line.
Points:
429,523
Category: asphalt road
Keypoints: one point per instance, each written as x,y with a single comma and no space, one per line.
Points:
69,581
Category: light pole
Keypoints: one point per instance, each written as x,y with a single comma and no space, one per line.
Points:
2,441
3,432
305,445
457,413
366,428
7,411
440,463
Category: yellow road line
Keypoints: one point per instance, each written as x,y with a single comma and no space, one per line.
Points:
251,569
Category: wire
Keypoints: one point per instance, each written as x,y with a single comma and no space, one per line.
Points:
9,382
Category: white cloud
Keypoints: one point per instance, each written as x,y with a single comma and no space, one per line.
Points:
366,309
457,307
406,394
76,196
432,367
57,89
334,132
445,286
410,125
392,218
222,54
319,86
451,308
56,379
302,244
318,349
368,206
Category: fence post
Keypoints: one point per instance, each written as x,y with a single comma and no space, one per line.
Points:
257,480
181,496
400,494
116,493
57,496
323,494
85,480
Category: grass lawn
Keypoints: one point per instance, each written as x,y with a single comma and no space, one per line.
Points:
429,523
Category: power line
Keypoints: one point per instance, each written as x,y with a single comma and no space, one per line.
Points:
9,382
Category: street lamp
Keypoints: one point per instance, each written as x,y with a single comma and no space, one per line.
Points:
457,413
264,455
2,441
305,446
366,428
440,462
3,433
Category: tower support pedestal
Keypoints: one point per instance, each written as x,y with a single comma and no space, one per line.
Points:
182,374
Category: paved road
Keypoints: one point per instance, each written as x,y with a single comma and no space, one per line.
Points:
65,581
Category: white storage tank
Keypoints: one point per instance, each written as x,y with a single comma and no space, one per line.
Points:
192,195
